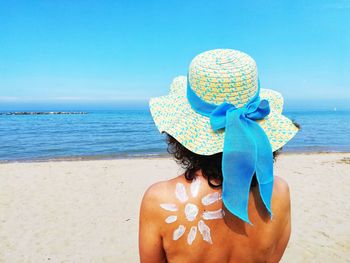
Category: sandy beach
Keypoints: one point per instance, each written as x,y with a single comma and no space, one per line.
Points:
87,211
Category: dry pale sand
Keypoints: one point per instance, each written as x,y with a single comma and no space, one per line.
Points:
87,211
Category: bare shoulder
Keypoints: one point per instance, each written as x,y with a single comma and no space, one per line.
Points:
156,193
281,187
281,196
151,229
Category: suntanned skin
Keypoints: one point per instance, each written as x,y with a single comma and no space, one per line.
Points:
233,240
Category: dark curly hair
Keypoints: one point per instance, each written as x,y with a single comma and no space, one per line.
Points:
210,165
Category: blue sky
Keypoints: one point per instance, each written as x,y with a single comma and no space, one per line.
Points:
108,51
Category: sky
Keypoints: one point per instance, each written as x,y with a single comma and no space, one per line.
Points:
110,52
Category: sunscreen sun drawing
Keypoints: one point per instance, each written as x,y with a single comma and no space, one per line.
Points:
191,212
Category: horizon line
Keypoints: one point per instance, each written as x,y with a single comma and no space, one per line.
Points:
125,99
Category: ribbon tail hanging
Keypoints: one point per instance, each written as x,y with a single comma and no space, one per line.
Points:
264,164
238,164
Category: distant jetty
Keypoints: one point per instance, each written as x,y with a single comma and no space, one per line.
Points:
41,112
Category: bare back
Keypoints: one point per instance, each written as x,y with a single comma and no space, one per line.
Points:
183,221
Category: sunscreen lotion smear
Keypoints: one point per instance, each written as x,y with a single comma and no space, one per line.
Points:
179,232
191,212
195,187
180,193
192,235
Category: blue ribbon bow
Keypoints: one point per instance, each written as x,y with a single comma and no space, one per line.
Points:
247,150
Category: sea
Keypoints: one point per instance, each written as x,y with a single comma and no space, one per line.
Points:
130,133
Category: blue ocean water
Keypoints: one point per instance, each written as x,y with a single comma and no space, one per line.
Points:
128,133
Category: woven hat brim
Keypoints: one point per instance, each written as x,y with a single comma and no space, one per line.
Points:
173,114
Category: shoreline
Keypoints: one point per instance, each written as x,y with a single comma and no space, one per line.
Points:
140,156
86,158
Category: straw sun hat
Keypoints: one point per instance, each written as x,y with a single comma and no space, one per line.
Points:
220,107
217,76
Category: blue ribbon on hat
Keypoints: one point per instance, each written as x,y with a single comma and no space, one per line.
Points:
247,149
